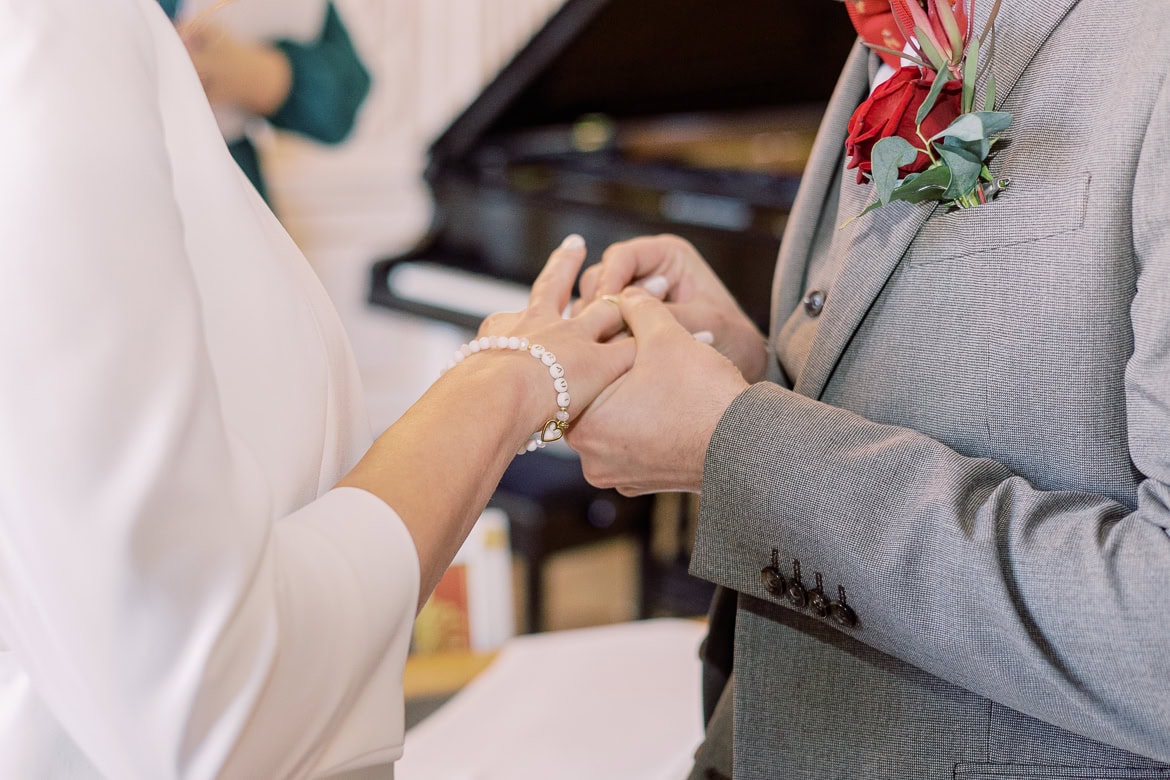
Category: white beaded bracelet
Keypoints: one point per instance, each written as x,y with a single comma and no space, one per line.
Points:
554,429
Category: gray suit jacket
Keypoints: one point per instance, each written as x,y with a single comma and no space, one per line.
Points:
977,451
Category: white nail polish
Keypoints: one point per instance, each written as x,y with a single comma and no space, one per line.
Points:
656,285
705,336
573,241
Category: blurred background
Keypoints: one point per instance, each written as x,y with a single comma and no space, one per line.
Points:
364,199
485,131
427,155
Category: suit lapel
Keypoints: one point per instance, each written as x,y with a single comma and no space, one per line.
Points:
1021,28
824,163
880,239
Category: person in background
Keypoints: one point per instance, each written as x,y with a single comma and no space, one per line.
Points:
291,64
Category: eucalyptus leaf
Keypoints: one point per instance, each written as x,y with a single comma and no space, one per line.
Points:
980,149
967,127
994,122
965,169
921,187
890,154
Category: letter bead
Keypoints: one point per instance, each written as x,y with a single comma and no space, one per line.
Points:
553,429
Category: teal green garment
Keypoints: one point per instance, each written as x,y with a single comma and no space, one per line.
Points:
244,153
329,84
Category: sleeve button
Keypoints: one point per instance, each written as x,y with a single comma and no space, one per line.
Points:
818,602
843,614
797,595
773,580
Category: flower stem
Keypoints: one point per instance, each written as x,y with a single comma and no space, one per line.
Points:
927,150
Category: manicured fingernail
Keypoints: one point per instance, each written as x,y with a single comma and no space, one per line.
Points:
656,285
573,241
705,336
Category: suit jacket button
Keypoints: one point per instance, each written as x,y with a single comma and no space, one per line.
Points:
773,580
843,614
813,302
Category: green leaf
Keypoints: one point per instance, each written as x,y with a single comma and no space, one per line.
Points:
901,54
876,204
989,100
970,74
979,149
965,169
994,122
931,51
931,98
966,127
890,154
990,21
946,15
921,187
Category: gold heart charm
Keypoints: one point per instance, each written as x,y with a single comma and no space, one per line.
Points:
553,431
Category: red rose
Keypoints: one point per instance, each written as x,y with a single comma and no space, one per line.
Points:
890,111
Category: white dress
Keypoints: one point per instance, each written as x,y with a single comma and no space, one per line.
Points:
182,594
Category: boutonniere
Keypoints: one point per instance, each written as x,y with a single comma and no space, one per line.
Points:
918,137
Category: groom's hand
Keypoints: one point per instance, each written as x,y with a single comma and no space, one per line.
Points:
669,268
648,432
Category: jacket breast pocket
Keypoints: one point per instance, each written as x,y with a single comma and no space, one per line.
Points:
1031,211
1041,772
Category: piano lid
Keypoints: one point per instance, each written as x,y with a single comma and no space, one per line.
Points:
630,59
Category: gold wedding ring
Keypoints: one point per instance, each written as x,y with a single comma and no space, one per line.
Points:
625,331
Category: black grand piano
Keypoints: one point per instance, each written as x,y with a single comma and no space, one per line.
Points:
620,118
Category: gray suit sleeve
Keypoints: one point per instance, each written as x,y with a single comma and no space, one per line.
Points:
1051,603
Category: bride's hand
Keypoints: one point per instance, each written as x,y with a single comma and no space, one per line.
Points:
578,343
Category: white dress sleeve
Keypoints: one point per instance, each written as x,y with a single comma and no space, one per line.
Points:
171,615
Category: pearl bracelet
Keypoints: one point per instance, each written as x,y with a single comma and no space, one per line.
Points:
554,429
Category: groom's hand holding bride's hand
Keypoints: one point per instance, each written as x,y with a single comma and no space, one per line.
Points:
671,269
649,430
581,343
